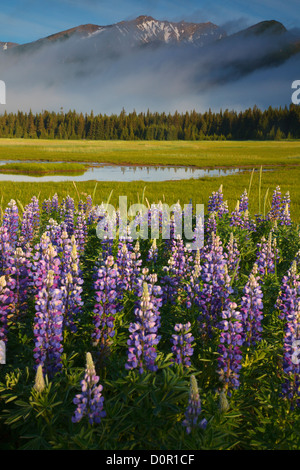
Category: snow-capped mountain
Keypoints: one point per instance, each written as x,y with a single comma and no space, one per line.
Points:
142,30
146,29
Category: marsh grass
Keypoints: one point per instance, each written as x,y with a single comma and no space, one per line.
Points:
42,169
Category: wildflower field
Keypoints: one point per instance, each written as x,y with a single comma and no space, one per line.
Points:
117,343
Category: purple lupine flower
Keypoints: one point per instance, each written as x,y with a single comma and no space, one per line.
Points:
62,209
237,217
223,209
285,214
291,361
71,278
125,266
191,286
72,281
46,206
259,219
81,206
107,248
55,204
70,205
19,269
153,252
136,260
154,290
252,309
244,202
45,259
48,326
176,271
30,222
80,232
233,256
11,221
66,213
108,304
182,344
231,339
27,227
216,203
143,335
54,231
289,292
64,247
215,289
210,225
193,411
275,210
69,221
36,212
240,216
7,286
267,256
90,401
248,224
6,250
96,214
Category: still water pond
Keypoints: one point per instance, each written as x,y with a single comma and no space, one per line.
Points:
98,172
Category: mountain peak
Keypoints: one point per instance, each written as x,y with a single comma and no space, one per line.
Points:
163,31
142,18
269,27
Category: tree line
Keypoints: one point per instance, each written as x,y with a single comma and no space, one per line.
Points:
250,124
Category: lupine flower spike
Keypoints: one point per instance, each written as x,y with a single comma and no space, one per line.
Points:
39,384
143,335
192,414
182,344
90,401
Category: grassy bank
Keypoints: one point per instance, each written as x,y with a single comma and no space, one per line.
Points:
201,153
42,169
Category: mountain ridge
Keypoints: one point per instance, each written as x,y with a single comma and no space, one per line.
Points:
146,29
145,25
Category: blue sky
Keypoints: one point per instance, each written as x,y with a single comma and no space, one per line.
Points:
27,20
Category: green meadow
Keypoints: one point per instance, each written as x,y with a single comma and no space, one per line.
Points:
266,164
189,153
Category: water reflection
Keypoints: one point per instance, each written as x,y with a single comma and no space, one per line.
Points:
101,172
